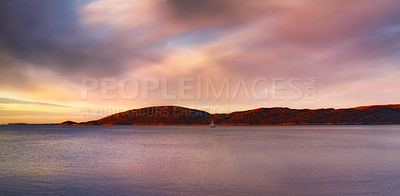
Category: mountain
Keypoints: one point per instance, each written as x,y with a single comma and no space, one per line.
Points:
68,123
82,123
162,115
385,114
174,115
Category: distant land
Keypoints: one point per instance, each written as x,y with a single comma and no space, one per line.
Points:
174,115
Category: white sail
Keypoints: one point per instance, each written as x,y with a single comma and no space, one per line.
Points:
212,123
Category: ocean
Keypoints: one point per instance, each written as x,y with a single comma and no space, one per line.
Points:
198,160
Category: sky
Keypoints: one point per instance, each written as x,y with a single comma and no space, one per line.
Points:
49,50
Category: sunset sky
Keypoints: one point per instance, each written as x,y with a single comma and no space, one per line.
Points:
48,47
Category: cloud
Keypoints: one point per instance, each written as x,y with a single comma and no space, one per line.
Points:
19,113
215,12
49,35
47,46
29,29
16,101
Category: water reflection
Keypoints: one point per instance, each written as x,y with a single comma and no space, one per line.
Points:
193,160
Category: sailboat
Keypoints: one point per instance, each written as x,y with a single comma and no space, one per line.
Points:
212,124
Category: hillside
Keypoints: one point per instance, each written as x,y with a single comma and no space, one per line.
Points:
163,115
389,114
173,115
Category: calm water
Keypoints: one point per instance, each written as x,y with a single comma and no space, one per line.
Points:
197,160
